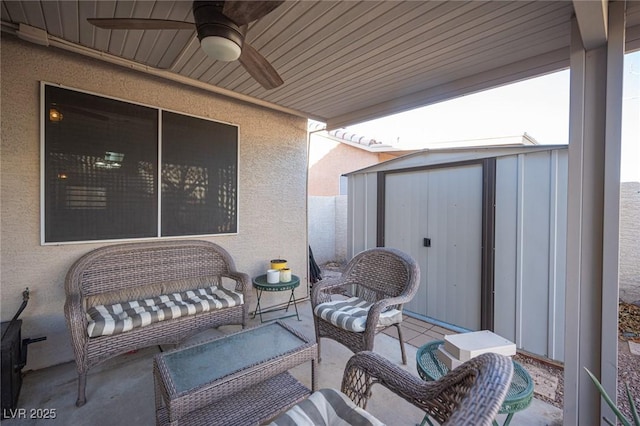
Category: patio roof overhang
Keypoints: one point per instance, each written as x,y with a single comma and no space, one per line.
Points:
343,62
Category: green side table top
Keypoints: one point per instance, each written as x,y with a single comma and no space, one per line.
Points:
520,392
260,283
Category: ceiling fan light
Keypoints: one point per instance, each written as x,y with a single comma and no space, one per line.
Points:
220,48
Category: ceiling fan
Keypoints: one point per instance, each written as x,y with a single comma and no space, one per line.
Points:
221,27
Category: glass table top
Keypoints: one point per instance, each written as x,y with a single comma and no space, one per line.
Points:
201,364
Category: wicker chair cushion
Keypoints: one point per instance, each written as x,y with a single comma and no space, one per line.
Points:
326,407
106,320
351,314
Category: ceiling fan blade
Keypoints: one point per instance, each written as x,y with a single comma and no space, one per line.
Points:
259,68
242,12
140,24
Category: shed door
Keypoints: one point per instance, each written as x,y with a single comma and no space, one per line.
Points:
445,206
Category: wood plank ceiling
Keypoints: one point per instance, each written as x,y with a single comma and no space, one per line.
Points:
342,61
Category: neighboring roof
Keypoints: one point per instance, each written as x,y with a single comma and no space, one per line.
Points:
427,157
365,143
345,136
370,144
342,62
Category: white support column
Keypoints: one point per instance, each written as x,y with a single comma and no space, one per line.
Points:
611,214
593,213
584,231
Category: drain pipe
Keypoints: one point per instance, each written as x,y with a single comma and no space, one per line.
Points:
321,126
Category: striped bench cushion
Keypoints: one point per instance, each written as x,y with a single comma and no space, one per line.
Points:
326,407
106,320
351,314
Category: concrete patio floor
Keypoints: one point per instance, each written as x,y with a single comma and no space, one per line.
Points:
120,392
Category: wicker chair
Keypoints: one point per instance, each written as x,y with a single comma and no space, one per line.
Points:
468,395
385,277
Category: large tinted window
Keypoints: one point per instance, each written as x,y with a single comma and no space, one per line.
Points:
198,176
101,177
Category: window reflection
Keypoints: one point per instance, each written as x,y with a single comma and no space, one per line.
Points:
101,171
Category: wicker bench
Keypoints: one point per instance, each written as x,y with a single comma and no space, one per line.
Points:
136,271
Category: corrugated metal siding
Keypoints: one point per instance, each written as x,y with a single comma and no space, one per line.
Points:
444,205
361,213
530,251
506,261
455,222
406,203
558,248
530,238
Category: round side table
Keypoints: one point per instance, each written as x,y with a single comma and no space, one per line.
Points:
260,284
518,397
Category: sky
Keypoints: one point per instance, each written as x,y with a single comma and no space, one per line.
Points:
538,107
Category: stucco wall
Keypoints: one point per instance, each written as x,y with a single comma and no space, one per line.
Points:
272,154
330,159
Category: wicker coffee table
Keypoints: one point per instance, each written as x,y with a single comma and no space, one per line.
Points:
239,379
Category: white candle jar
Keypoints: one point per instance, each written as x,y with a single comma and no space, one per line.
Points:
273,276
285,275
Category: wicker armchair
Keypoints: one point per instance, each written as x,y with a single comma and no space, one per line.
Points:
384,277
468,395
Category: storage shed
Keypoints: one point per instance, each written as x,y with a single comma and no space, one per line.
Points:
488,229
